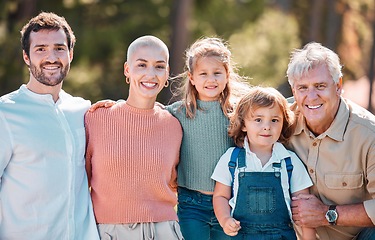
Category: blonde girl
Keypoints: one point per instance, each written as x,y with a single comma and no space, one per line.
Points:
209,89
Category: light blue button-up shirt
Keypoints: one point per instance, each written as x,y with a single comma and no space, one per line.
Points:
43,186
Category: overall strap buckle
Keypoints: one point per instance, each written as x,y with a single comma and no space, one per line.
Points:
276,169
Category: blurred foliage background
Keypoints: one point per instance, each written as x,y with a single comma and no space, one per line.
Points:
261,35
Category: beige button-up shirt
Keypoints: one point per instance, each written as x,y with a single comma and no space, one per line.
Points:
341,162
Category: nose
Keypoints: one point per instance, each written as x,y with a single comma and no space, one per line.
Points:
212,77
51,56
311,94
151,72
266,126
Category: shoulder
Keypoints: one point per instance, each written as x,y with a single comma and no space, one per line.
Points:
167,121
298,166
225,158
15,102
175,107
67,98
294,157
360,116
164,113
10,98
104,113
284,153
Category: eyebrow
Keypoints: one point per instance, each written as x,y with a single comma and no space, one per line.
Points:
144,60
45,45
261,115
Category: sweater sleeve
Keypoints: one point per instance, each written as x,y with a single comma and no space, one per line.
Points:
178,134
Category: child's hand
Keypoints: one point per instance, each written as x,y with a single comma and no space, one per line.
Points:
102,103
231,226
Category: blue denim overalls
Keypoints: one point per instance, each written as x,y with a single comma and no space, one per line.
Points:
260,206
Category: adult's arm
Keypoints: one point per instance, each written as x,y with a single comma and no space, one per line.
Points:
308,233
6,143
88,152
309,211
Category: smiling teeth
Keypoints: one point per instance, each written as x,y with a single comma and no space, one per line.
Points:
50,68
313,107
149,84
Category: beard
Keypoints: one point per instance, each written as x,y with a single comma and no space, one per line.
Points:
46,78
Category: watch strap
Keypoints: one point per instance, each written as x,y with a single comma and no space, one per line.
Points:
332,207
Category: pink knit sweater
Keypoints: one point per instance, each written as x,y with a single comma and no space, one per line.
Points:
131,160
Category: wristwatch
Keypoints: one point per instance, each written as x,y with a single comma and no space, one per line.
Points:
332,215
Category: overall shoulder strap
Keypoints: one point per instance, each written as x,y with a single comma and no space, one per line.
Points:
289,168
238,153
233,161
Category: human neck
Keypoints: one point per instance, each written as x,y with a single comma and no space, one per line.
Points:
318,127
140,103
39,88
263,153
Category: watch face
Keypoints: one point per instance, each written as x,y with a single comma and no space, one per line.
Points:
331,216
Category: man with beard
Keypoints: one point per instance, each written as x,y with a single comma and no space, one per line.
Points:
43,184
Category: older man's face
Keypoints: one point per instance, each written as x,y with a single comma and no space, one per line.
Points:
318,98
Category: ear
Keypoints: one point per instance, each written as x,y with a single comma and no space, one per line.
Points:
126,69
71,55
191,79
26,58
339,87
243,128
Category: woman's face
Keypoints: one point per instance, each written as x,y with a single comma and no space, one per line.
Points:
148,71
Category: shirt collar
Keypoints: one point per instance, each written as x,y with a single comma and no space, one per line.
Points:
335,131
279,152
42,97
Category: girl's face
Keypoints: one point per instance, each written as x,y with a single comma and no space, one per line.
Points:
263,127
148,72
209,78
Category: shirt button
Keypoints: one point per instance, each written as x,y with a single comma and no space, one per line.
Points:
344,184
311,170
314,144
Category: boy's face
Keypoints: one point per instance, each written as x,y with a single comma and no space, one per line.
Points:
263,127
148,72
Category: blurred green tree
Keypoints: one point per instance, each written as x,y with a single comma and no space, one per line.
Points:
261,35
